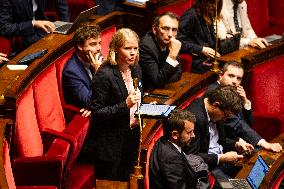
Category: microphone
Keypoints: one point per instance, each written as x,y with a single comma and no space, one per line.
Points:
134,75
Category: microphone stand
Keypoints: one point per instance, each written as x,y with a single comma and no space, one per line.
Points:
137,177
215,67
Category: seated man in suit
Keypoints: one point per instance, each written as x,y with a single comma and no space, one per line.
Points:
25,19
210,142
238,126
158,51
235,19
169,167
79,71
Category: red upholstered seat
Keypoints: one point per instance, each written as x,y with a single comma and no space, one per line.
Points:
177,8
266,16
51,121
6,45
9,173
268,105
31,155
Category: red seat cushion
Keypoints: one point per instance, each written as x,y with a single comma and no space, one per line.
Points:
28,141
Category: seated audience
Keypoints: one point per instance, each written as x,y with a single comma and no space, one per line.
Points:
238,126
113,140
79,72
235,19
169,167
26,19
211,143
197,34
3,58
158,52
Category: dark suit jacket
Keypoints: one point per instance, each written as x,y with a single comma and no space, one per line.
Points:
238,125
200,145
76,83
156,71
194,33
16,20
169,169
62,10
110,134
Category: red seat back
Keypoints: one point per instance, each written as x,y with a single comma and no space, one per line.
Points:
28,141
6,46
177,8
259,17
77,6
106,39
269,79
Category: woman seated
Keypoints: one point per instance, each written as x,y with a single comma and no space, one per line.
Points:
196,32
114,137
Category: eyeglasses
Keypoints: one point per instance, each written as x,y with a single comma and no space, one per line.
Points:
167,29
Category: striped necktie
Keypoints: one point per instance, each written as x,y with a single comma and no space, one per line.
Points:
236,22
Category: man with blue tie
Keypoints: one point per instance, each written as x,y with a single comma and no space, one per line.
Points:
78,72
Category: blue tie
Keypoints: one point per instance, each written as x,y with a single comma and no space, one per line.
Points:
236,22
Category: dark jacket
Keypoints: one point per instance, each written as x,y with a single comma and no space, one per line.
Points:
238,125
110,134
200,145
156,71
194,34
16,20
76,83
169,169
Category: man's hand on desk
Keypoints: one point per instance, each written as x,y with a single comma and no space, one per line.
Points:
258,43
209,52
3,58
274,147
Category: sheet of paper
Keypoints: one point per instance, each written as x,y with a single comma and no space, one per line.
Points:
16,67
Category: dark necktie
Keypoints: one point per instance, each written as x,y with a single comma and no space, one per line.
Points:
236,22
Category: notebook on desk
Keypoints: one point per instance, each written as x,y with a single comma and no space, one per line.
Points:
253,180
67,27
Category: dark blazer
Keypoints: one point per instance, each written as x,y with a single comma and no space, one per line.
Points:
200,145
110,134
156,71
238,125
169,169
62,10
16,20
194,34
76,83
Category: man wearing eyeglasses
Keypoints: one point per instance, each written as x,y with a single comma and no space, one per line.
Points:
211,143
158,51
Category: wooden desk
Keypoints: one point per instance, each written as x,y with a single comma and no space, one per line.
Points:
251,57
274,160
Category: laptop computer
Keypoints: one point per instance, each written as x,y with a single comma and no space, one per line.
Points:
253,180
67,27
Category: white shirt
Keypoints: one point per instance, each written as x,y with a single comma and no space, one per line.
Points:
227,26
